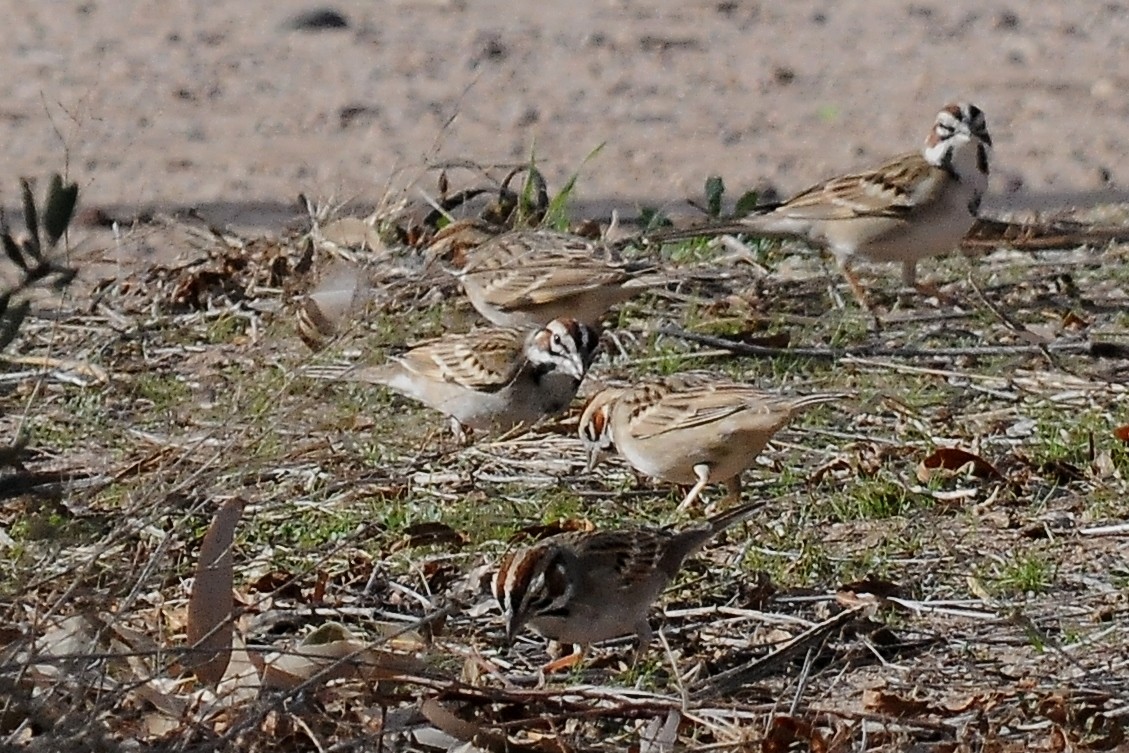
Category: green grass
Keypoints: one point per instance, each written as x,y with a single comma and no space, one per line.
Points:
1028,573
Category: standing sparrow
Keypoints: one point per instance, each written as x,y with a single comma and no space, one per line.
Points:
913,207
493,378
526,278
583,587
689,428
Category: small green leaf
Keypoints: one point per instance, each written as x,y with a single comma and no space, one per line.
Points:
556,214
747,203
715,190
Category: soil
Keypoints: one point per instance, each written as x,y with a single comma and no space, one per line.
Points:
230,108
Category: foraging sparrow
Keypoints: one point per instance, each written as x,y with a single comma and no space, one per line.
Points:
913,207
493,378
588,586
526,278
689,428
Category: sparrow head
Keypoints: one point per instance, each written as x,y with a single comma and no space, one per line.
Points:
565,345
959,141
595,427
530,583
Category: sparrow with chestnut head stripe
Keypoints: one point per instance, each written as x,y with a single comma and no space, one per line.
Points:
690,428
493,378
583,587
526,278
913,207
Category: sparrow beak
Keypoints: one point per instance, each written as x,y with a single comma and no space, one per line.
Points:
511,630
574,367
596,456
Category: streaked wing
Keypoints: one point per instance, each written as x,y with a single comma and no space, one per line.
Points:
539,248
632,554
485,360
519,288
892,190
680,404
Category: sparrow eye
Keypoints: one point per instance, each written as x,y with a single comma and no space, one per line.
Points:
557,341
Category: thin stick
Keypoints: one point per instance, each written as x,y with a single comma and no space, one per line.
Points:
832,354
1110,530
737,677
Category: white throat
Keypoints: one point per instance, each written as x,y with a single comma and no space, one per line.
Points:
960,155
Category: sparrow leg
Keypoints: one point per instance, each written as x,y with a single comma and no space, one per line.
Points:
643,636
909,274
702,471
566,662
856,287
732,497
463,435
931,290
927,289
733,486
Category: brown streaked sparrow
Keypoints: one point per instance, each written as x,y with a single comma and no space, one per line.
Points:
583,587
914,207
689,428
526,278
492,378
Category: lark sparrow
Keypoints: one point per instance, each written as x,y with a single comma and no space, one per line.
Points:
493,378
689,428
526,278
913,207
584,587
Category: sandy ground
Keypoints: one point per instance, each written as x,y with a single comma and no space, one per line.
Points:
223,106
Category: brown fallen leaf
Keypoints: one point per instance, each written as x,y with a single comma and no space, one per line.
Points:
788,733
480,737
892,704
210,605
280,583
948,462
1122,433
333,652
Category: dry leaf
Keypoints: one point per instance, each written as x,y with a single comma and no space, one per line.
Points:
788,733
352,232
948,462
460,729
661,734
978,590
242,681
210,605
332,651
893,704
1122,433
281,584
